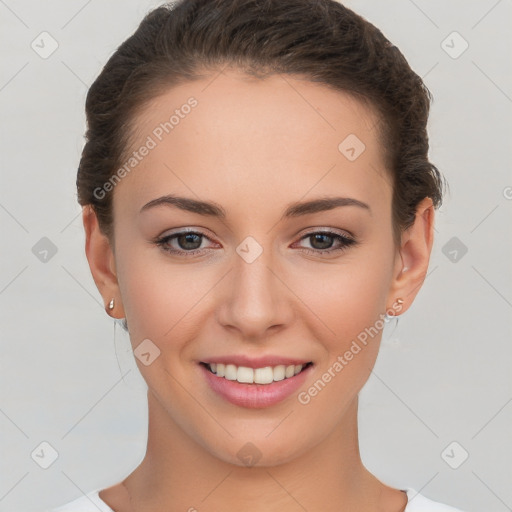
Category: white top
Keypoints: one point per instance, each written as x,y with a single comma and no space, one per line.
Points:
91,502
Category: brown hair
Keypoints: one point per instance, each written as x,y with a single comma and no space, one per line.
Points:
320,40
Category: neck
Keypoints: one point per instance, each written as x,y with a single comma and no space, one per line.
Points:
178,474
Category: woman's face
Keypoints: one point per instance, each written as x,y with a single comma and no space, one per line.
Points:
269,275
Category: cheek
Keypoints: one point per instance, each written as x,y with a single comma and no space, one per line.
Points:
350,297
351,304
162,300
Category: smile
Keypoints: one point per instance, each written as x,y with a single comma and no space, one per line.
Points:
264,375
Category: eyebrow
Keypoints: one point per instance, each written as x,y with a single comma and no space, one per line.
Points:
296,209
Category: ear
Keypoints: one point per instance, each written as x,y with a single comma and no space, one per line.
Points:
412,259
100,256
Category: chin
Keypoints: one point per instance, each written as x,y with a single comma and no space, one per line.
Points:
259,450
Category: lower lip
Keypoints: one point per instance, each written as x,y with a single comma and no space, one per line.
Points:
255,396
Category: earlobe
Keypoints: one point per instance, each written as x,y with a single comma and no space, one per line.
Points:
101,260
414,255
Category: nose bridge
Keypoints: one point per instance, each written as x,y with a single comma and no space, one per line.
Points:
256,299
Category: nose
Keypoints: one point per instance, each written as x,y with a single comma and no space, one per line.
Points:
255,300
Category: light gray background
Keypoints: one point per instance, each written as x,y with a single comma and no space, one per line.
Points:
443,375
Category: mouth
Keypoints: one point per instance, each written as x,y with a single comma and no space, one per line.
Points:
260,383
264,375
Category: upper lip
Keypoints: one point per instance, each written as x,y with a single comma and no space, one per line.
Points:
256,362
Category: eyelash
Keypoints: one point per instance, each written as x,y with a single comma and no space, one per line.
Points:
344,240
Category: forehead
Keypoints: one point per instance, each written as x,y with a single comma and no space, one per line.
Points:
232,136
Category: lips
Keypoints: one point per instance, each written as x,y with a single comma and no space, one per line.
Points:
255,382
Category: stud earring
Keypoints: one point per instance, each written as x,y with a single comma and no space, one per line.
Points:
398,301
111,304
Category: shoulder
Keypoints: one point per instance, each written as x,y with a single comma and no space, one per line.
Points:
90,502
419,503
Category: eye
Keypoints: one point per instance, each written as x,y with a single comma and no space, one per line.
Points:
188,242
327,242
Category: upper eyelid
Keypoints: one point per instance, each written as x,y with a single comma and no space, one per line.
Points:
335,231
203,230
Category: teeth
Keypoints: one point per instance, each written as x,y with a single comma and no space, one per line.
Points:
290,371
264,375
244,374
231,372
247,375
279,372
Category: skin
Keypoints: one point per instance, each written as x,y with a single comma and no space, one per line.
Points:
254,147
